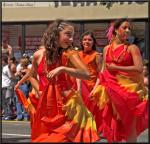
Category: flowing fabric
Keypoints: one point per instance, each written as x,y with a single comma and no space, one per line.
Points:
121,97
61,115
29,104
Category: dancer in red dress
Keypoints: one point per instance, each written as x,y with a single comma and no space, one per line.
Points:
120,92
61,115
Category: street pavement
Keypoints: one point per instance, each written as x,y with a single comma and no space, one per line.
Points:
15,132
19,132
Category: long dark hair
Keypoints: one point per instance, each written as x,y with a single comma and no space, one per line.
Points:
92,36
51,37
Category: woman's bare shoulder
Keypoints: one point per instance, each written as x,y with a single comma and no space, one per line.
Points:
39,52
133,47
105,48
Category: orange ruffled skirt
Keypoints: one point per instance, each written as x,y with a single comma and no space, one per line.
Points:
62,119
29,104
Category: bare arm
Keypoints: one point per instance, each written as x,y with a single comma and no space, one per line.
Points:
80,70
99,60
137,62
104,58
95,86
34,83
102,68
10,51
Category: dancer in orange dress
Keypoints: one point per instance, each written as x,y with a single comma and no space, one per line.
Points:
61,115
120,92
93,61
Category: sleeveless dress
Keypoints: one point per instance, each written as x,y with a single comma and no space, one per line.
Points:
61,115
89,60
122,97
88,85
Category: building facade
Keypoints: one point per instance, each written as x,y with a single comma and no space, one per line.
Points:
23,23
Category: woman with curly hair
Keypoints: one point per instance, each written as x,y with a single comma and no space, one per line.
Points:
61,115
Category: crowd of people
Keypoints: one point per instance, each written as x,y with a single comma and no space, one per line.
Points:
12,72
73,95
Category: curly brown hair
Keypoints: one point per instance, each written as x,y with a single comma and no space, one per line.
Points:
50,39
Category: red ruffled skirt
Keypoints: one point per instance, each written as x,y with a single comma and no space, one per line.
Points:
121,100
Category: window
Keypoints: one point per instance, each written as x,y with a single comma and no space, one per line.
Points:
33,35
12,33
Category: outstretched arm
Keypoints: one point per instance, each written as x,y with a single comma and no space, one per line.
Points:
35,85
80,70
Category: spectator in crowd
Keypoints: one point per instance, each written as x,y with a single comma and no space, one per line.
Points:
6,49
22,68
12,60
8,77
13,67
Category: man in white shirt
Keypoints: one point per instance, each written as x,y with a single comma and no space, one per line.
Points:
7,89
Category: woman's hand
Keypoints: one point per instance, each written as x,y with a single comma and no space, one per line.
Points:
55,72
111,66
38,94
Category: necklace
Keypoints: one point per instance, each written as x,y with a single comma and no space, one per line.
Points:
120,56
